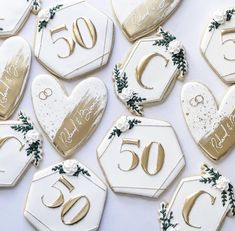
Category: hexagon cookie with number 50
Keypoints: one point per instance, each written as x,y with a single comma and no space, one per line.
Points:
73,38
66,196
140,156
149,71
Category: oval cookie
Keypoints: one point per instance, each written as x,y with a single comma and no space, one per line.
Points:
68,120
15,61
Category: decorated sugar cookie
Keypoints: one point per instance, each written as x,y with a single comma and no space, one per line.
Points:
212,127
68,120
138,18
149,71
15,61
20,146
140,156
217,45
73,38
199,203
65,196
14,14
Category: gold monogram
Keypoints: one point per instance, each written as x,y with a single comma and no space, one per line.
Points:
77,34
68,205
144,158
189,204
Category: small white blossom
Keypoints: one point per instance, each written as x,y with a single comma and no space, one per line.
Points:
174,229
220,16
32,136
222,183
175,47
36,6
123,124
44,15
126,94
70,167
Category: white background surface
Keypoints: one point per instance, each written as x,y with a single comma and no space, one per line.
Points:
130,213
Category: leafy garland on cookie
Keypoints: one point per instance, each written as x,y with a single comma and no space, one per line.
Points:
223,17
123,127
80,170
47,15
166,220
176,49
132,100
214,178
34,144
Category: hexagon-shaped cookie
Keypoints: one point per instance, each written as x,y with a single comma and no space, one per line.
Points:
217,45
200,202
20,145
149,71
140,156
65,196
14,14
73,38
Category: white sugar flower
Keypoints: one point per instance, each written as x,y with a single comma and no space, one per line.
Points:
220,16
126,94
32,136
222,183
174,229
44,15
70,167
123,124
36,6
175,47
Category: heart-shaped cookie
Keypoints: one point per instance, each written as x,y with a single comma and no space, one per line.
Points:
212,127
68,120
141,17
15,61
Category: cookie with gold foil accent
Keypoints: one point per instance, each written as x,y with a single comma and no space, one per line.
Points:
20,145
212,127
199,203
15,62
68,120
138,18
73,38
14,14
149,71
65,196
140,156
217,45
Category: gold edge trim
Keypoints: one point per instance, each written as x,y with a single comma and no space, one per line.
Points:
106,31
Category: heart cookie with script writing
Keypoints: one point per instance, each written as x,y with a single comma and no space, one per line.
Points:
68,120
15,61
212,127
138,18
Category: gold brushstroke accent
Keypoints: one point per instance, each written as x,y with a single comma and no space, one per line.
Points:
160,159
11,83
80,215
146,16
142,66
92,31
221,139
78,125
189,204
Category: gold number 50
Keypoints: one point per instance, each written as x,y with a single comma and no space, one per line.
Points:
144,158
67,206
77,36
